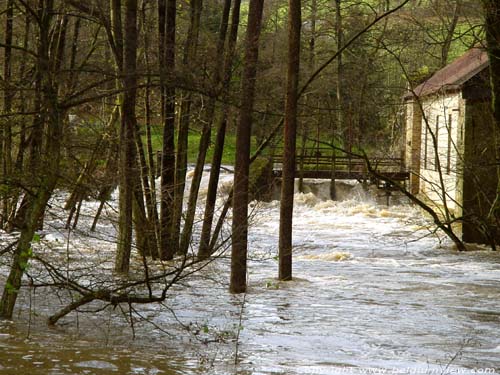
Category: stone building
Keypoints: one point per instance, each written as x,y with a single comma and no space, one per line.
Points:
450,141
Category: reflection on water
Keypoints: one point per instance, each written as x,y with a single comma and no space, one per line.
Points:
373,292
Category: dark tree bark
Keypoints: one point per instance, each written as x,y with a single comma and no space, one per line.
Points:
6,145
47,163
205,248
116,32
23,102
206,131
147,156
190,50
74,51
243,138
127,130
290,136
166,40
492,26
23,144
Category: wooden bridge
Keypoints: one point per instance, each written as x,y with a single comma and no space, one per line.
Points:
321,163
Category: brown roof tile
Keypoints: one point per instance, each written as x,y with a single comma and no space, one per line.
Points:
452,76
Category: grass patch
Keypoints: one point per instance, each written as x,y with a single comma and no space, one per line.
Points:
194,142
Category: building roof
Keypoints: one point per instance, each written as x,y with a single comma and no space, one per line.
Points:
453,75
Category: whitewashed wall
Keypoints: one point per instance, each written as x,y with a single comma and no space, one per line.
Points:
444,115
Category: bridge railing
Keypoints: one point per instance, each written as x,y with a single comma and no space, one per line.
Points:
322,159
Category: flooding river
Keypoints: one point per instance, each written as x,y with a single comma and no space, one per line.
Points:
375,291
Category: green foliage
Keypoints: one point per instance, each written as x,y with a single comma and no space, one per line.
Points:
4,189
420,75
10,288
261,178
270,284
24,259
277,19
228,155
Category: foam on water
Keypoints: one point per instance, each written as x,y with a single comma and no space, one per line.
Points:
337,256
373,288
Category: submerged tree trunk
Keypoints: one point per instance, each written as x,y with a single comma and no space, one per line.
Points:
492,25
145,211
206,132
127,140
205,248
243,139
290,136
46,161
184,122
150,163
166,25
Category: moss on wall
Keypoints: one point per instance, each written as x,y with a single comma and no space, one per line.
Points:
261,179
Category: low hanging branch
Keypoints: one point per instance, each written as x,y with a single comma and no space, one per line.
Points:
445,226
102,295
121,293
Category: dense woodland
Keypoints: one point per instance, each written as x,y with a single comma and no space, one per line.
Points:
99,95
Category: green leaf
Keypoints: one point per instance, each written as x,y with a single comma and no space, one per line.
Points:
36,238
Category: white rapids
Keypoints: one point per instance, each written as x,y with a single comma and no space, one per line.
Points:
374,291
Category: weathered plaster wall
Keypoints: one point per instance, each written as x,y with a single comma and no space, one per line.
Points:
413,143
441,132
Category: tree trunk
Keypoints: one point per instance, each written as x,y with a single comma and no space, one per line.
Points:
127,130
7,107
204,250
166,25
450,32
190,51
243,139
46,173
148,222
22,133
153,210
206,132
492,26
290,135
342,125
